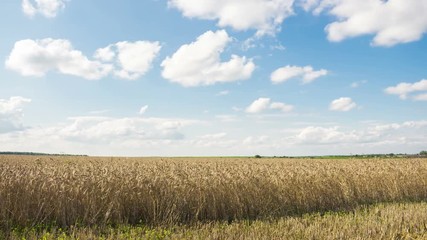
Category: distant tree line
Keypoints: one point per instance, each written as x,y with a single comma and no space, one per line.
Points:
37,154
387,155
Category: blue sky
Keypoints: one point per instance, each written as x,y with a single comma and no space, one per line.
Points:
186,77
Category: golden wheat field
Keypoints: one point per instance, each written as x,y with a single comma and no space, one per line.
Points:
60,192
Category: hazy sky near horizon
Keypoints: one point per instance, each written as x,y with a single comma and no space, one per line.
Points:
213,77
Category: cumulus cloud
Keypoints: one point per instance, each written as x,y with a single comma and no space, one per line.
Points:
136,136
38,57
199,63
47,8
107,129
392,22
265,16
404,89
307,74
262,104
258,105
322,135
11,113
328,135
373,135
135,58
309,5
106,54
281,106
342,104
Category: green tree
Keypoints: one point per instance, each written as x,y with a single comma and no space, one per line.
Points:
424,153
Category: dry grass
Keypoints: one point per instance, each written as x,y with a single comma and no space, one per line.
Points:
87,191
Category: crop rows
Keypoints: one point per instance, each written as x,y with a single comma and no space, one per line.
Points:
88,191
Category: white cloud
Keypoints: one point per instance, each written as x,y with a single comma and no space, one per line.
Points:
227,118
281,106
358,83
322,135
212,140
223,93
249,43
199,63
404,89
99,112
214,136
143,110
108,130
37,57
256,141
392,22
258,105
135,58
11,113
308,5
414,124
369,138
420,97
236,109
262,104
265,16
97,128
278,46
47,8
319,6
342,104
139,136
105,54
307,73
335,135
